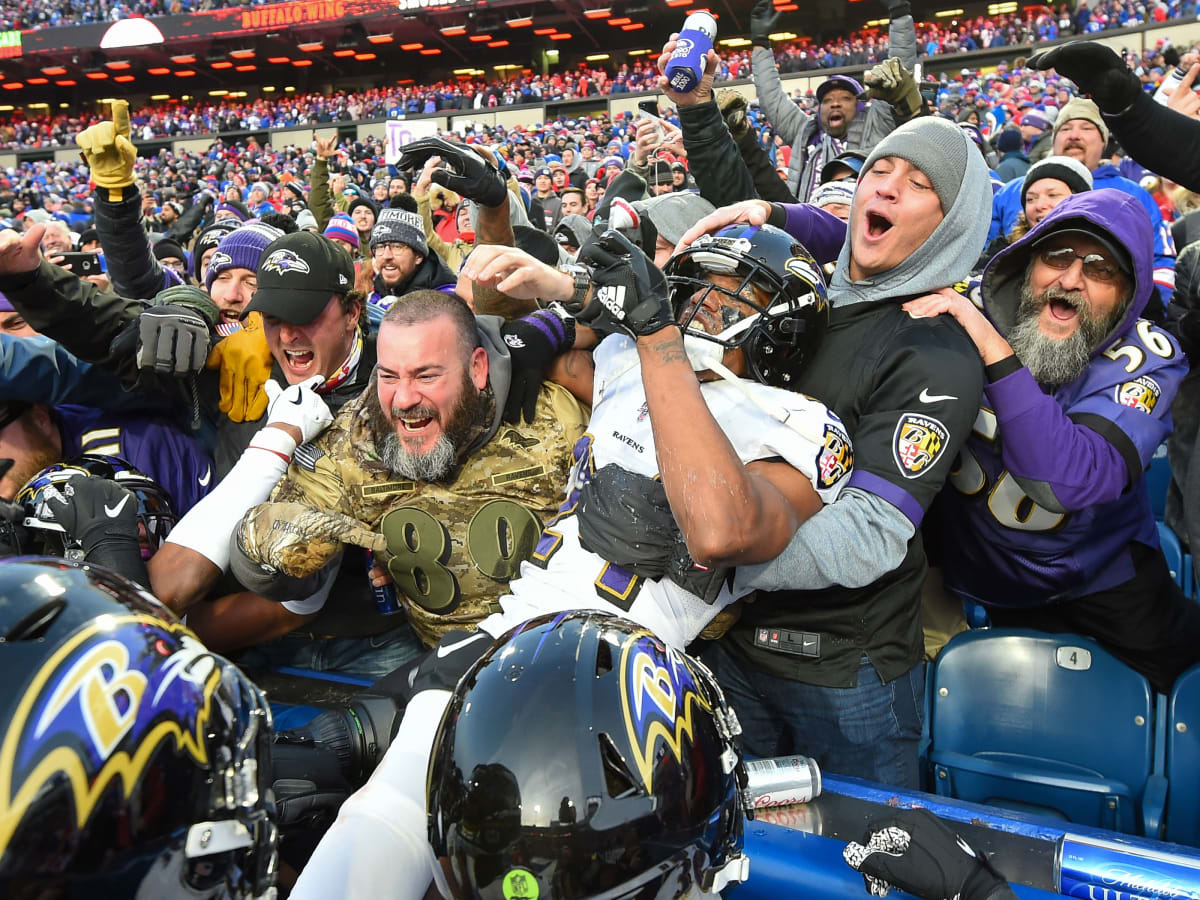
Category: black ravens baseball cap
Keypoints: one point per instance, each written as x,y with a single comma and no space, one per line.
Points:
297,275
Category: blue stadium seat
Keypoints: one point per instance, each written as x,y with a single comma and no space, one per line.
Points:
1158,479
1173,551
1047,724
1183,760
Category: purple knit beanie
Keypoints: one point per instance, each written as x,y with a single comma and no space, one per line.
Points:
240,249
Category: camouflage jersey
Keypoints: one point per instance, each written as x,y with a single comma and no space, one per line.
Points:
452,547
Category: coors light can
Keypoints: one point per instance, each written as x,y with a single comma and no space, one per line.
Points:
782,781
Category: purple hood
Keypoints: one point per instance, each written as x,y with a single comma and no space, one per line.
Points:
1114,212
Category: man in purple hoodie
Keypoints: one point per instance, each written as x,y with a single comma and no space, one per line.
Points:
1048,521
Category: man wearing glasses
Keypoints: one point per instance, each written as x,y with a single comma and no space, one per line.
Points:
1048,523
401,258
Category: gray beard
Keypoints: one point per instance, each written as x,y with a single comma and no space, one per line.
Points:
1054,362
427,467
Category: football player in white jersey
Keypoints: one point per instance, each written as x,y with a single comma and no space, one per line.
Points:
691,408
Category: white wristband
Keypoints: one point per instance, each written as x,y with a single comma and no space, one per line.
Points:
275,440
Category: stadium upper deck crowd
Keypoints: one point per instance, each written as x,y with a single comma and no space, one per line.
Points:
948,332
866,48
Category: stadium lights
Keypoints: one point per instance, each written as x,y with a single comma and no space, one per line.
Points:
67,82
640,52
454,30
787,7
268,89
500,43
301,63
735,42
289,89
311,47
379,38
542,32
344,51
620,20
506,67
604,12
117,65
520,22
946,13
6,108
280,60
561,36
246,68
185,73
183,59
222,64
124,79
415,45
596,57
633,26
431,51
37,80
219,92
158,70
481,38
54,70
96,76
996,9
247,53
131,33
160,96
679,2
13,85
783,36
364,57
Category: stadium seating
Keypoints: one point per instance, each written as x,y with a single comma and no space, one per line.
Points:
1173,551
1183,760
1158,479
1048,724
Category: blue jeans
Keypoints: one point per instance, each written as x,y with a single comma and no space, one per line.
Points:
871,731
367,657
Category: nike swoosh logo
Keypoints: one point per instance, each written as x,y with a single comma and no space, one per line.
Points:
444,651
297,401
113,511
926,397
206,477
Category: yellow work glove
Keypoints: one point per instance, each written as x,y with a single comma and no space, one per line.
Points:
244,361
108,151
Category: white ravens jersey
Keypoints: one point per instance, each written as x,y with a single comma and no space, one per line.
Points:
564,576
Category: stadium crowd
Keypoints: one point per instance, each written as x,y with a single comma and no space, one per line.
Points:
735,380
21,130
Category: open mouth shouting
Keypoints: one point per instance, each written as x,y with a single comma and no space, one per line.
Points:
876,224
419,422
300,362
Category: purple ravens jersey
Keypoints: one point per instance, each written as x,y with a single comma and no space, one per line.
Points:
151,445
1006,549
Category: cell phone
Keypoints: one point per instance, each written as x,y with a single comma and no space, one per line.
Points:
82,264
649,110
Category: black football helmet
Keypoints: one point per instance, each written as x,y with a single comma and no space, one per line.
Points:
133,763
784,332
581,757
156,513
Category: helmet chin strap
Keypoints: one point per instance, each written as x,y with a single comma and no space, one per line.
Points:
705,354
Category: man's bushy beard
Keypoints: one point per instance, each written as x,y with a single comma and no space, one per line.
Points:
1058,361
435,465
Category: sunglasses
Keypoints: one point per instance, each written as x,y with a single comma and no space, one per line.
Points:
1095,266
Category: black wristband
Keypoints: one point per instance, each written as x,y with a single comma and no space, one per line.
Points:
1003,368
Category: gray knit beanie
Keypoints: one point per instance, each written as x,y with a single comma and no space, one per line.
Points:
936,147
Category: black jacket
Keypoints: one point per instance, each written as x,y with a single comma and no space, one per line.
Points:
132,268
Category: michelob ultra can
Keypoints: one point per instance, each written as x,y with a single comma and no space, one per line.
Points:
1096,869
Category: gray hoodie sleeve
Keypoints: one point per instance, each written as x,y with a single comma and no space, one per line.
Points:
851,542
784,115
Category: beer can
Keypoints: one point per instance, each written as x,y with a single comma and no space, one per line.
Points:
782,780
386,602
686,66
1097,869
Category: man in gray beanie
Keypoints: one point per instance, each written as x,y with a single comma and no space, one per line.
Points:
846,686
401,256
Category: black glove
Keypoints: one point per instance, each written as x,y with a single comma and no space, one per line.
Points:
762,22
917,852
468,175
1095,69
631,292
102,518
533,342
14,536
172,340
625,518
